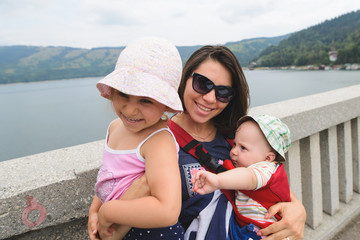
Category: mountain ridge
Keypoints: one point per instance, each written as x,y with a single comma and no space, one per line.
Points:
20,63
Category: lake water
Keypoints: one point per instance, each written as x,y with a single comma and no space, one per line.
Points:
42,116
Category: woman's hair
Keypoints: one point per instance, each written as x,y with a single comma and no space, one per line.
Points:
238,106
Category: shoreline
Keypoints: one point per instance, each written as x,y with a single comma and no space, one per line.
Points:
347,67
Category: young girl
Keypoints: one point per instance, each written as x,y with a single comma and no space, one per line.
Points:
142,88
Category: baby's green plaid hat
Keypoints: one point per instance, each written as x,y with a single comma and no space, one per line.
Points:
276,132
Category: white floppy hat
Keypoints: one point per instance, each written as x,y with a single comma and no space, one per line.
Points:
149,67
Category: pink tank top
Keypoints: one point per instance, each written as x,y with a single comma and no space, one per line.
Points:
119,169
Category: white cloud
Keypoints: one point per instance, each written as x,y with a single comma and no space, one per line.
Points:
94,23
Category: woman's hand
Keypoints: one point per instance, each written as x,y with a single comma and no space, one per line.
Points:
139,188
291,225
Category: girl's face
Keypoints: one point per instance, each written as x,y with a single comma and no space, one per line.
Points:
250,146
204,107
137,113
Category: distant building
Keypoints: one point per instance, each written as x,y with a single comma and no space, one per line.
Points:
252,65
332,56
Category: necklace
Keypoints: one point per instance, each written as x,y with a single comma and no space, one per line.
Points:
183,120
203,138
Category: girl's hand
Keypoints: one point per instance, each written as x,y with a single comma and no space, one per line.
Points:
92,226
104,227
291,225
105,232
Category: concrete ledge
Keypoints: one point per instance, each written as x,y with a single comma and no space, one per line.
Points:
60,184
76,229
311,114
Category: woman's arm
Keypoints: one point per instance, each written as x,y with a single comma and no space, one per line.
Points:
160,209
292,223
139,188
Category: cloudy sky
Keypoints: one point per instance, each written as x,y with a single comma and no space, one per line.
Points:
99,23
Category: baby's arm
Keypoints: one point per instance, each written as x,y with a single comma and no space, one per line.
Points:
160,209
235,179
205,182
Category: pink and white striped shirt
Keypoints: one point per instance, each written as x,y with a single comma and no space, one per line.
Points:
248,207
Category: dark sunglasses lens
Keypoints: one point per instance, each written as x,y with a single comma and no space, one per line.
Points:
201,84
224,94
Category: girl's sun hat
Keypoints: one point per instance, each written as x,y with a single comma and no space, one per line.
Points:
275,131
149,67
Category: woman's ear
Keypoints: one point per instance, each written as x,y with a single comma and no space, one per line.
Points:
270,156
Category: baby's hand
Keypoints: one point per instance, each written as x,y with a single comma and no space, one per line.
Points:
204,182
194,178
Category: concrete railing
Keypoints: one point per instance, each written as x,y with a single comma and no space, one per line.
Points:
48,190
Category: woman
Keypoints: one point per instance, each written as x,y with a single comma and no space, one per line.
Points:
209,114
215,94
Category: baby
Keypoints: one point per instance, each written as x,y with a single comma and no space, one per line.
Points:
260,179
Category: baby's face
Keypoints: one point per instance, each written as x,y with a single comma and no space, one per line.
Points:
250,145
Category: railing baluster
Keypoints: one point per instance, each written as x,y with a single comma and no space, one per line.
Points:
293,169
355,135
311,176
345,161
329,170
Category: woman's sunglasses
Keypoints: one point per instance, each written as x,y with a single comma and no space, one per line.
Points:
203,85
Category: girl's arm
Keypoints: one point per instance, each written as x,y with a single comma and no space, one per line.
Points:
292,223
160,209
238,178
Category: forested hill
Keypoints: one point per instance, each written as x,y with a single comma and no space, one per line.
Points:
31,63
311,46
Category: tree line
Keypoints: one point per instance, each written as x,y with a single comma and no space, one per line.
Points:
312,46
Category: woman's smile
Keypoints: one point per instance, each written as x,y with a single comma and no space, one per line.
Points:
203,108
